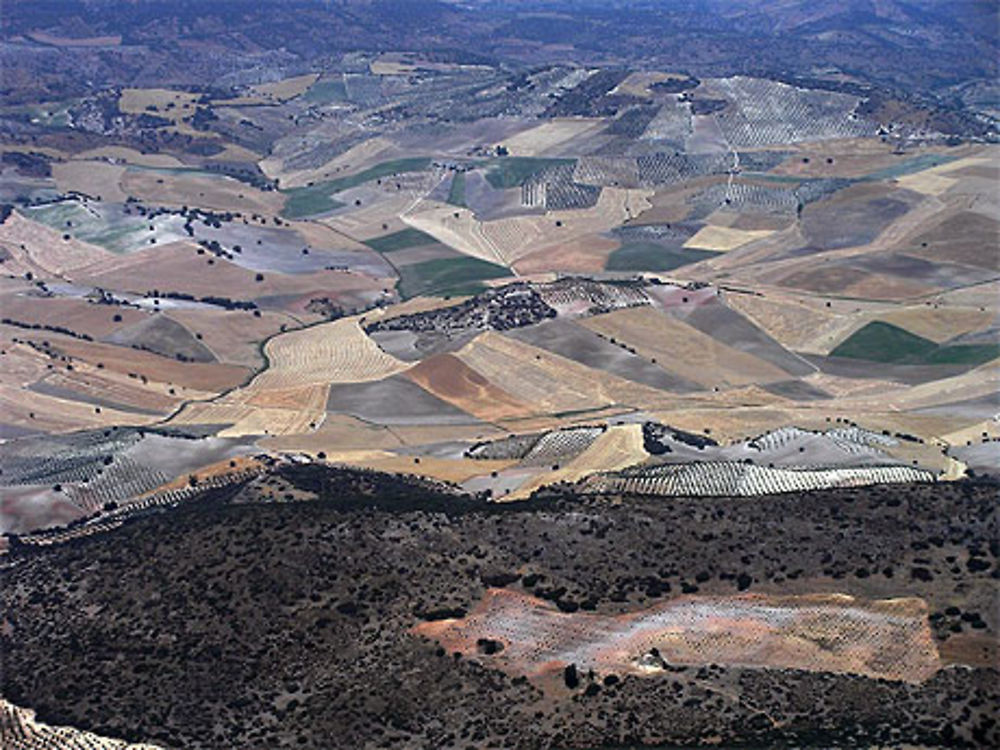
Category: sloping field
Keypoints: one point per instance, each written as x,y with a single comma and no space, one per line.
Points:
616,448
353,159
682,349
41,249
95,178
442,469
337,352
451,380
571,340
179,268
723,239
73,313
214,192
883,342
552,384
132,156
38,411
286,88
546,138
722,478
939,324
886,639
231,336
291,411
107,225
797,326
20,730
290,396
507,240
168,103
942,177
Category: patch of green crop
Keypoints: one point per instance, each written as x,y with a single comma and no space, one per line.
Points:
400,240
910,166
308,201
513,171
884,342
447,276
324,92
649,256
963,354
456,193
316,199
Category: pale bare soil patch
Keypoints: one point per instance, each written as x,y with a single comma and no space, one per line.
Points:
546,138
43,250
681,349
95,178
508,240
218,193
619,447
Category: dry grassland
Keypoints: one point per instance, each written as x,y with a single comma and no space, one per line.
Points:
451,380
289,397
137,101
132,156
724,239
24,408
550,383
230,335
638,83
43,250
682,349
619,447
336,432
353,160
442,469
219,193
337,352
508,240
796,326
285,89
546,138
95,178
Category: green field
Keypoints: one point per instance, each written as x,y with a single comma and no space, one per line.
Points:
316,199
324,92
649,256
884,342
447,277
400,240
910,166
117,233
456,193
513,171
308,201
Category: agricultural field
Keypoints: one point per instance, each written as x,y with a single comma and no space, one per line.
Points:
577,360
